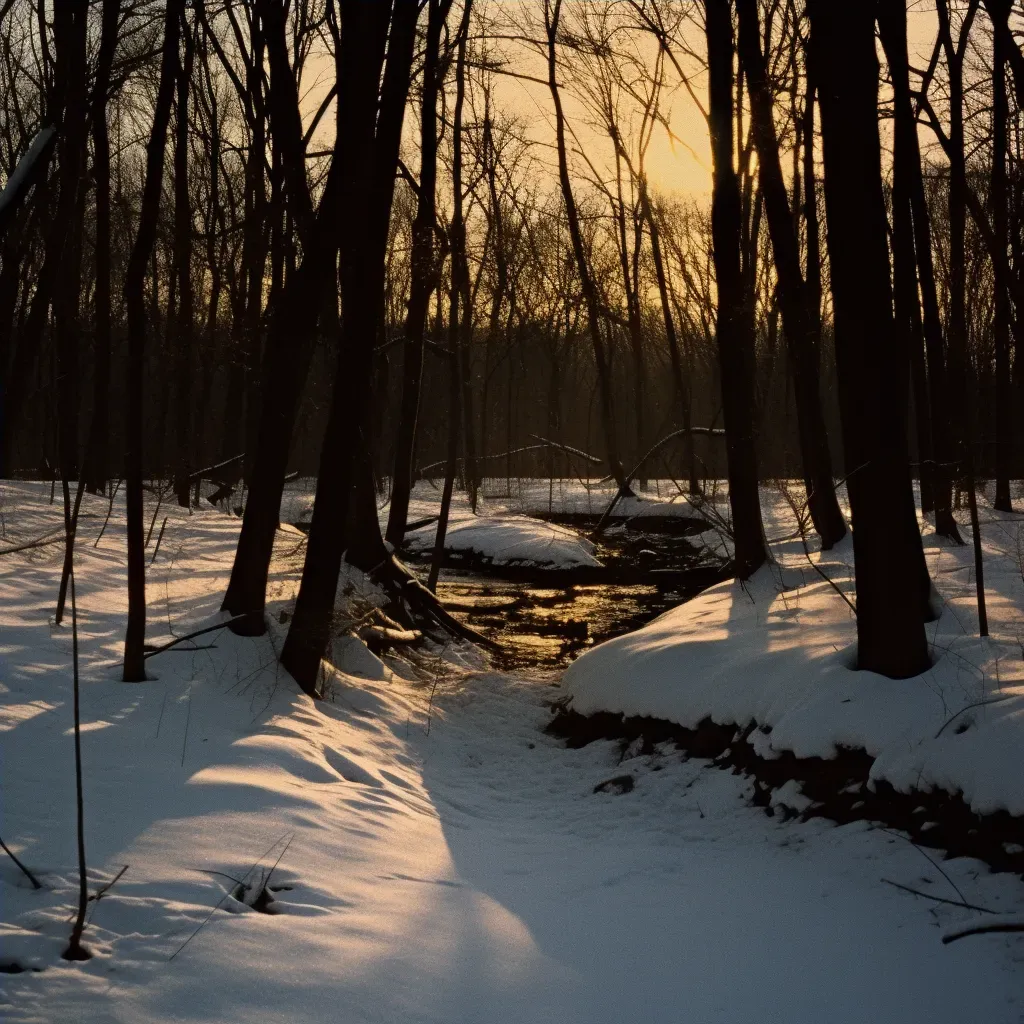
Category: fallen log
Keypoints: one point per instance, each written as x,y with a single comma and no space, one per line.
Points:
210,472
625,492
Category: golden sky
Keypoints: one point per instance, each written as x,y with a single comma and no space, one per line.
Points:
681,166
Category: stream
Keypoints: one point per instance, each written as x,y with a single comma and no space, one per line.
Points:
544,619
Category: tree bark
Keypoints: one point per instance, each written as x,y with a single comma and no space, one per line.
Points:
134,282
371,158
893,29
458,306
98,464
798,321
423,273
69,30
552,13
734,331
184,319
1001,321
871,356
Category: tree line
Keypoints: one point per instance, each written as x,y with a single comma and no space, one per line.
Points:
243,239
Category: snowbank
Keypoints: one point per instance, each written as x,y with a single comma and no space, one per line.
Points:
432,855
778,651
509,540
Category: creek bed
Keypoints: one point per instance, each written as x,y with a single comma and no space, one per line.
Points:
544,619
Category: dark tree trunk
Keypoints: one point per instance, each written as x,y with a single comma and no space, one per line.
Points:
552,12
906,304
183,334
423,273
254,245
98,448
633,325
798,320
1001,322
872,357
369,171
69,30
893,28
675,357
134,297
957,198
734,319
458,305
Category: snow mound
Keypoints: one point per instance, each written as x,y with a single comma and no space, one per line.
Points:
509,540
779,651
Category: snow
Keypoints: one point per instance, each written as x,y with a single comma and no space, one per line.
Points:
448,861
779,651
508,540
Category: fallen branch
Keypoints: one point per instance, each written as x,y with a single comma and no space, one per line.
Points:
104,889
938,899
625,492
416,593
206,473
39,542
983,929
593,459
190,636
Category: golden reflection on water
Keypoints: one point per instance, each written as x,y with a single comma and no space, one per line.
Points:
548,627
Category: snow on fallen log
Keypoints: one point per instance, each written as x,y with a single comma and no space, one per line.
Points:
509,540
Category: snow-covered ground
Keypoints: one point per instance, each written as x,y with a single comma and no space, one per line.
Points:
780,651
447,861
501,531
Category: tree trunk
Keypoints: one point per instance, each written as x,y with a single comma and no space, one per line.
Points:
675,357
957,198
98,465
183,335
254,246
734,320
423,278
552,12
871,356
371,159
458,306
893,29
798,321
1001,322
134,297
69,31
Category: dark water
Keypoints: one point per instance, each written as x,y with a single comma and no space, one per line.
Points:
544,620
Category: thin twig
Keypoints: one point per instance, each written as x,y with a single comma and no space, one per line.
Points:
938,899
39,542
190,636
976,704
930,860
159,537
217,907
28,874
110,508
188,719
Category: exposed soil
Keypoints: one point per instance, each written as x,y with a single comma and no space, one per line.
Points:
839,788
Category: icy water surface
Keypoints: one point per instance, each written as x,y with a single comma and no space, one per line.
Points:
545,620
